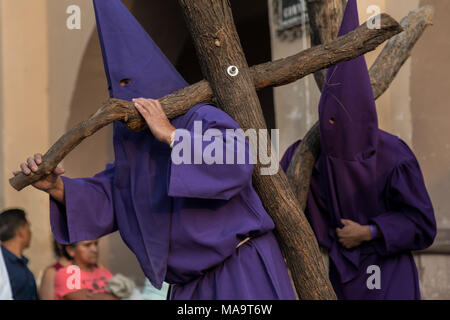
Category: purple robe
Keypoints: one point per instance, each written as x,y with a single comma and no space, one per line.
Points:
183,222
368,176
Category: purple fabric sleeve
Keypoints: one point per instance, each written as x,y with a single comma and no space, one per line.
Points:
88,213
374,231
410,224
210,181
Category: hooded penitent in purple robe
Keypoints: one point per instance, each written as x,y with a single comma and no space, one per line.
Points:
183,222
368,176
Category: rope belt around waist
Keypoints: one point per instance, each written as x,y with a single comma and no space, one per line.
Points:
172,286
251,238
243,242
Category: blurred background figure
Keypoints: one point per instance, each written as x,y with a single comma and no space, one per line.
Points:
5,286
15,235
47,286
85,279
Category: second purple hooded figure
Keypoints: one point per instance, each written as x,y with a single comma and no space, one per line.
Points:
365,179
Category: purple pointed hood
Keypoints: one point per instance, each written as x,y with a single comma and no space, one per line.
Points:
141,204
349,137
130,53
348,118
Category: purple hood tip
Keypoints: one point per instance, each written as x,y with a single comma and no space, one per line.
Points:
130,54
347,111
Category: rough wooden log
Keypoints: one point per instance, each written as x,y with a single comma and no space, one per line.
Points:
398,49
274,73
300,169
287,70
382,73
325,18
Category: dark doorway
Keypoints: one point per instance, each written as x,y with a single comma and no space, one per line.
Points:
165,23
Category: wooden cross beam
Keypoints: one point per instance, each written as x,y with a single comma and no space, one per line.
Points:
325,18
218,47
275,73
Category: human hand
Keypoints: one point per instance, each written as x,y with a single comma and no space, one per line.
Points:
48,183
156,119
353,234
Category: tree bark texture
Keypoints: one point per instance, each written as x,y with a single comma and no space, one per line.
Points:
398,49
325,17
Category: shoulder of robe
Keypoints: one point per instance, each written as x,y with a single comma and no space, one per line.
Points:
393,146
211,113
186,120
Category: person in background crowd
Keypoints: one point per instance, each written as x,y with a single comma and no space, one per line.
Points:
5,286
84,279
15,236
47,286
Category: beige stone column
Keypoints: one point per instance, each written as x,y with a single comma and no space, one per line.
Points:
394,107
401,115
429,86
2,197
66,51
77,86
25,113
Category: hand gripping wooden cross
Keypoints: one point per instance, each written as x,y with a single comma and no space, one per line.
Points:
217,44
